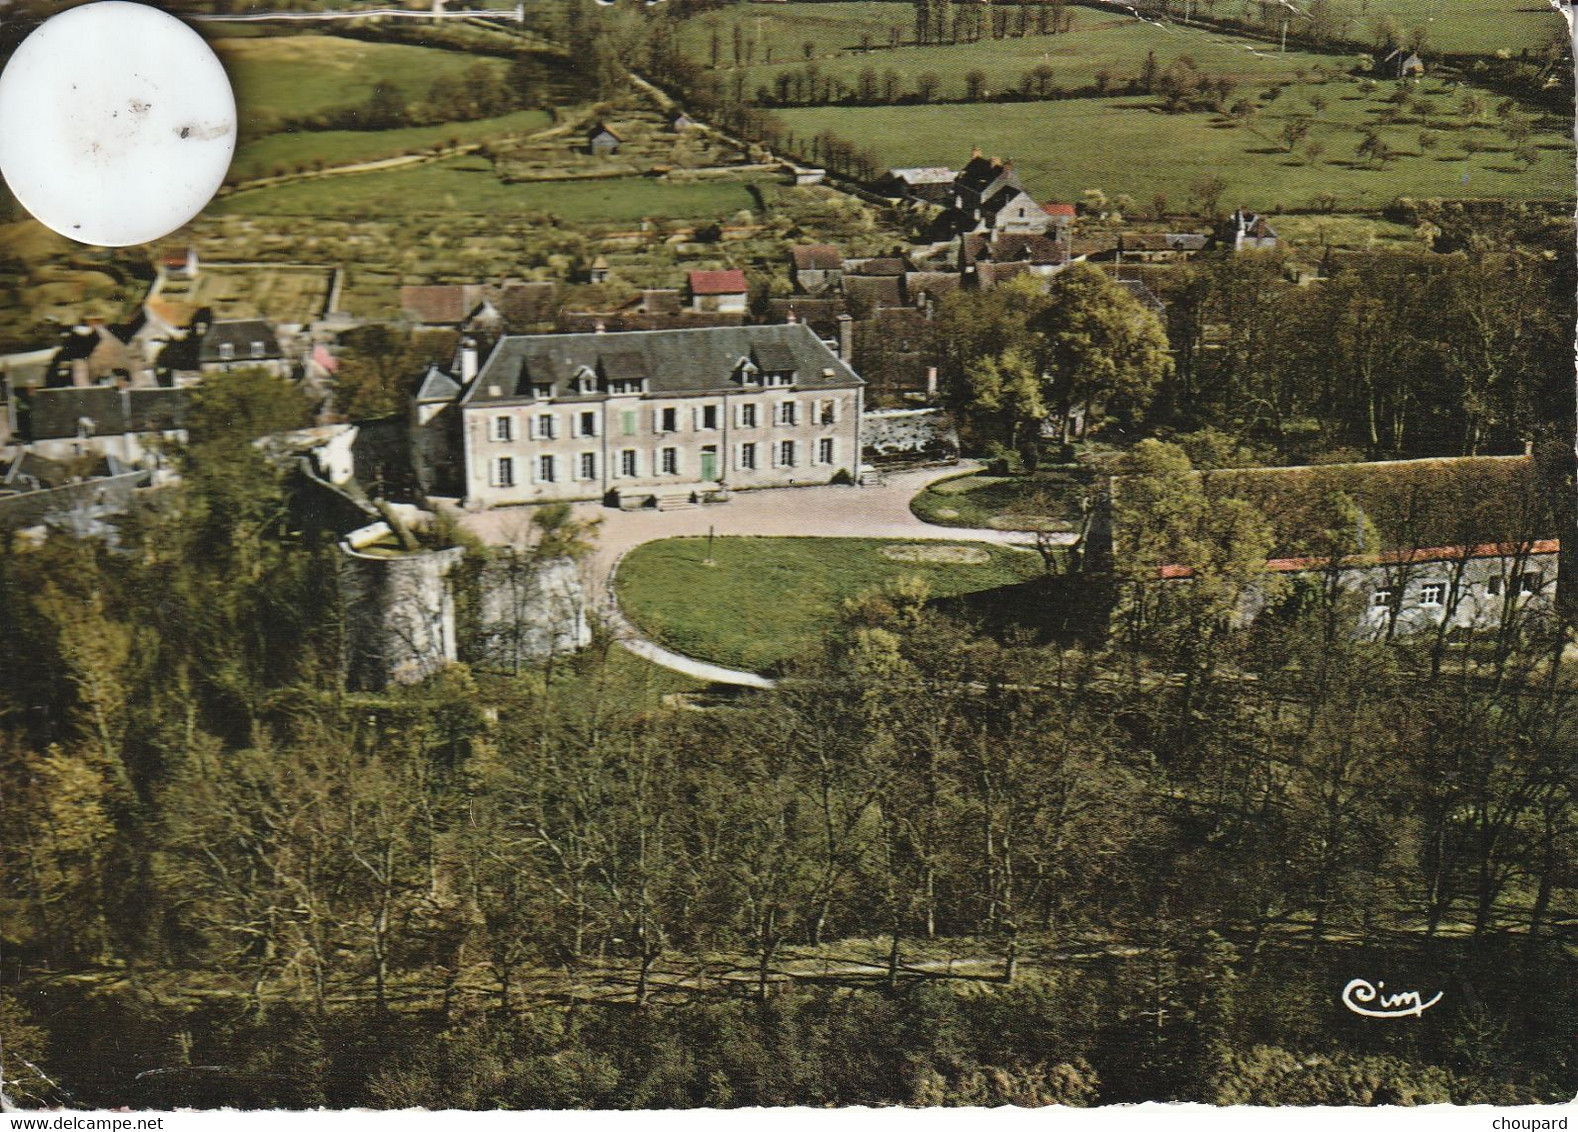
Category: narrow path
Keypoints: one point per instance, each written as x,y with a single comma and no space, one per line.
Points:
881,511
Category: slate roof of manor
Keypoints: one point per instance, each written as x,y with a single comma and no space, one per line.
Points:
672,361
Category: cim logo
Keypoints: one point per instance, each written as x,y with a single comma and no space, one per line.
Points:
1360,993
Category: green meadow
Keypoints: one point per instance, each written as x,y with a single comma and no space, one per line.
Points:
293,151
290,76
1127,145
469,186
1098,44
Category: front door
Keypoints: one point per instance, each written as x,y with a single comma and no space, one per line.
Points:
709,462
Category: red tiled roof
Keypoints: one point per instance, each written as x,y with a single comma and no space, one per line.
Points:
1394,557
1053,208
718,282
434,304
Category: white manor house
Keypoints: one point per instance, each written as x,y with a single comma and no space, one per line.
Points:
637,418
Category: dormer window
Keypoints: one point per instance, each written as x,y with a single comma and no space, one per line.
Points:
585,381
778,379
226,351
542,391
747,373
257,349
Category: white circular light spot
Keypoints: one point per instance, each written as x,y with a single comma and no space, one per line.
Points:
117,123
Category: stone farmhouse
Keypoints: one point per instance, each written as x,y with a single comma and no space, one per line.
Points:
664,417
985,196
1245,231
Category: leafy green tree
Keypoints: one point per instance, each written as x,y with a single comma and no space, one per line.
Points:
379,366
1101,350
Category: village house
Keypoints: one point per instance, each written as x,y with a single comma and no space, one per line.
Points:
989,258
725,292
929,185
514,306
456,306
664,416
93,353
1245,231
1061,214
239,343
72,422
602,142
987,196
817,268
1151,247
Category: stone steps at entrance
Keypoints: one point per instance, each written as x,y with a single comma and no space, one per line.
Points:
676,501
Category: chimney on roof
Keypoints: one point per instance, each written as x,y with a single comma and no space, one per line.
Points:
846,338
468,360
997,163
790,318
1008,166
975,151
600,328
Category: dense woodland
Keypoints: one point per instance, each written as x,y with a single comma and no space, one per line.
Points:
1459,347
1158,857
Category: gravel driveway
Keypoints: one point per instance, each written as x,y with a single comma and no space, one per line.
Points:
878,511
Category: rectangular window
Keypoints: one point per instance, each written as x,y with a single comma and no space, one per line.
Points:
588,465
709,416
829,412
503,428
545,469
627,423
1380,599
257,349
226,351
1432,593
542,392
504,472
545,426
627,462
786,454
747,416
824,450
588,424
748,456
1493,585
786,413
670,421
1531,582
671,461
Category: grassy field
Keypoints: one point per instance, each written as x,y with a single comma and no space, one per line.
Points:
1126,146
289,152
1474,26
291,76
1049,501
468,185
1098,43
1471,26
768,599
